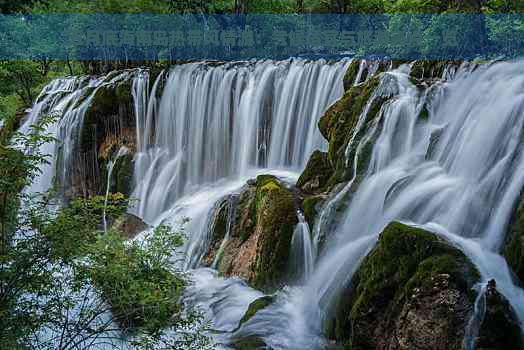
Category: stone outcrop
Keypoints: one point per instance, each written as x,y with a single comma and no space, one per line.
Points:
500,328
109,123
413,291
513,249
129,225
260,233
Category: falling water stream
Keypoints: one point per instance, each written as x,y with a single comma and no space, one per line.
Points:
121,152
204,129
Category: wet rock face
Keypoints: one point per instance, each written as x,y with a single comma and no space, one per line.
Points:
500,327
260,235
315,176
434,317
129,225
412,291
513,249
109,123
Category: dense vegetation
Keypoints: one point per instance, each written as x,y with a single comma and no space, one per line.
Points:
65,283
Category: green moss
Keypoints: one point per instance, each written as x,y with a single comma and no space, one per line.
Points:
351,74
429,69
255,306
245,214
276,219
338,124
339,121
317,169
310,205
220,221
404,258
513,249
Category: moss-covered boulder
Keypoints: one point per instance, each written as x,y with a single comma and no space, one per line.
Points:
315,176
219,227
129,225
255,306
351,74
412,291
338,125
311,206
260,235
500,328
513,249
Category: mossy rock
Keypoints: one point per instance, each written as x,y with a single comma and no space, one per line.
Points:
249,343
316,174
129,225
218,232
255,306
258,249
513,249
408,265
276,219
338,123
430,69
311,206
351,74
500,328
122,176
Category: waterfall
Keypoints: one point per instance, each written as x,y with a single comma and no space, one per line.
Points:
67,101
231,211
302,252
121,152
220,121
204,128
463,187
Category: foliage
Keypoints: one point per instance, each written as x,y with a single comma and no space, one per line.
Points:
64,284
101,6
138,281
21,78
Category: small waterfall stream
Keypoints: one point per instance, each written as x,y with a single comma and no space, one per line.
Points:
302,252
121,152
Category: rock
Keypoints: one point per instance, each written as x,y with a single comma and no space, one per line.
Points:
259,244
311,206
249,343
431,69
500,328
315,176
513,249
219,228
412,291
129,225
338,124
255,306
351,74
109,123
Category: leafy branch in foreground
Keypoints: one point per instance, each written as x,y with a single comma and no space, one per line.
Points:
65,284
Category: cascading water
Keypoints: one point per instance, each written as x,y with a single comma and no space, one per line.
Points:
302,252
452,187
66,100
457,172
110,166
215,122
